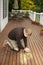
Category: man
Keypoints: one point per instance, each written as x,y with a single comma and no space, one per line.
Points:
16,35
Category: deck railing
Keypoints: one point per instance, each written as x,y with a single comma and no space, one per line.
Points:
38,17
34,16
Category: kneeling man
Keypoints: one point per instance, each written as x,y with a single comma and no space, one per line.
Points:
16,35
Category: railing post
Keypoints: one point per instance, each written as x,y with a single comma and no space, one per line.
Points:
34,15
41,19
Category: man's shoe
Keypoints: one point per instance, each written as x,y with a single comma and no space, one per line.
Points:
16,49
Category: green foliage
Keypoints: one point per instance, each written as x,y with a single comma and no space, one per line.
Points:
36,9
27,4
11,2
27,14
35,5
39,3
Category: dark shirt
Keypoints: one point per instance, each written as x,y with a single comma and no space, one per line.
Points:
17,34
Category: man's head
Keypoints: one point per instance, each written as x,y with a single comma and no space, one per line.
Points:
27,32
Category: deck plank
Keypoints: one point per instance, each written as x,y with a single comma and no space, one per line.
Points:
36,43
18,58
39,50
2,51
11,58
14,59
35,62
21,58
7,58
4,57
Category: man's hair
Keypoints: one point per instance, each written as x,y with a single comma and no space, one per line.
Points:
27,32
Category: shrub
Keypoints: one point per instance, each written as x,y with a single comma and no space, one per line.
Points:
27,4
27,14
36,9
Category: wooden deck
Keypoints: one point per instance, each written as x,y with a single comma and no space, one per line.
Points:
35,43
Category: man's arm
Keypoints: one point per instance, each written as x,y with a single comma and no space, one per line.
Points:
19,44
25,41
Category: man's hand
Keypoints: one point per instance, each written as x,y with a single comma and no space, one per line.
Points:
27,49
